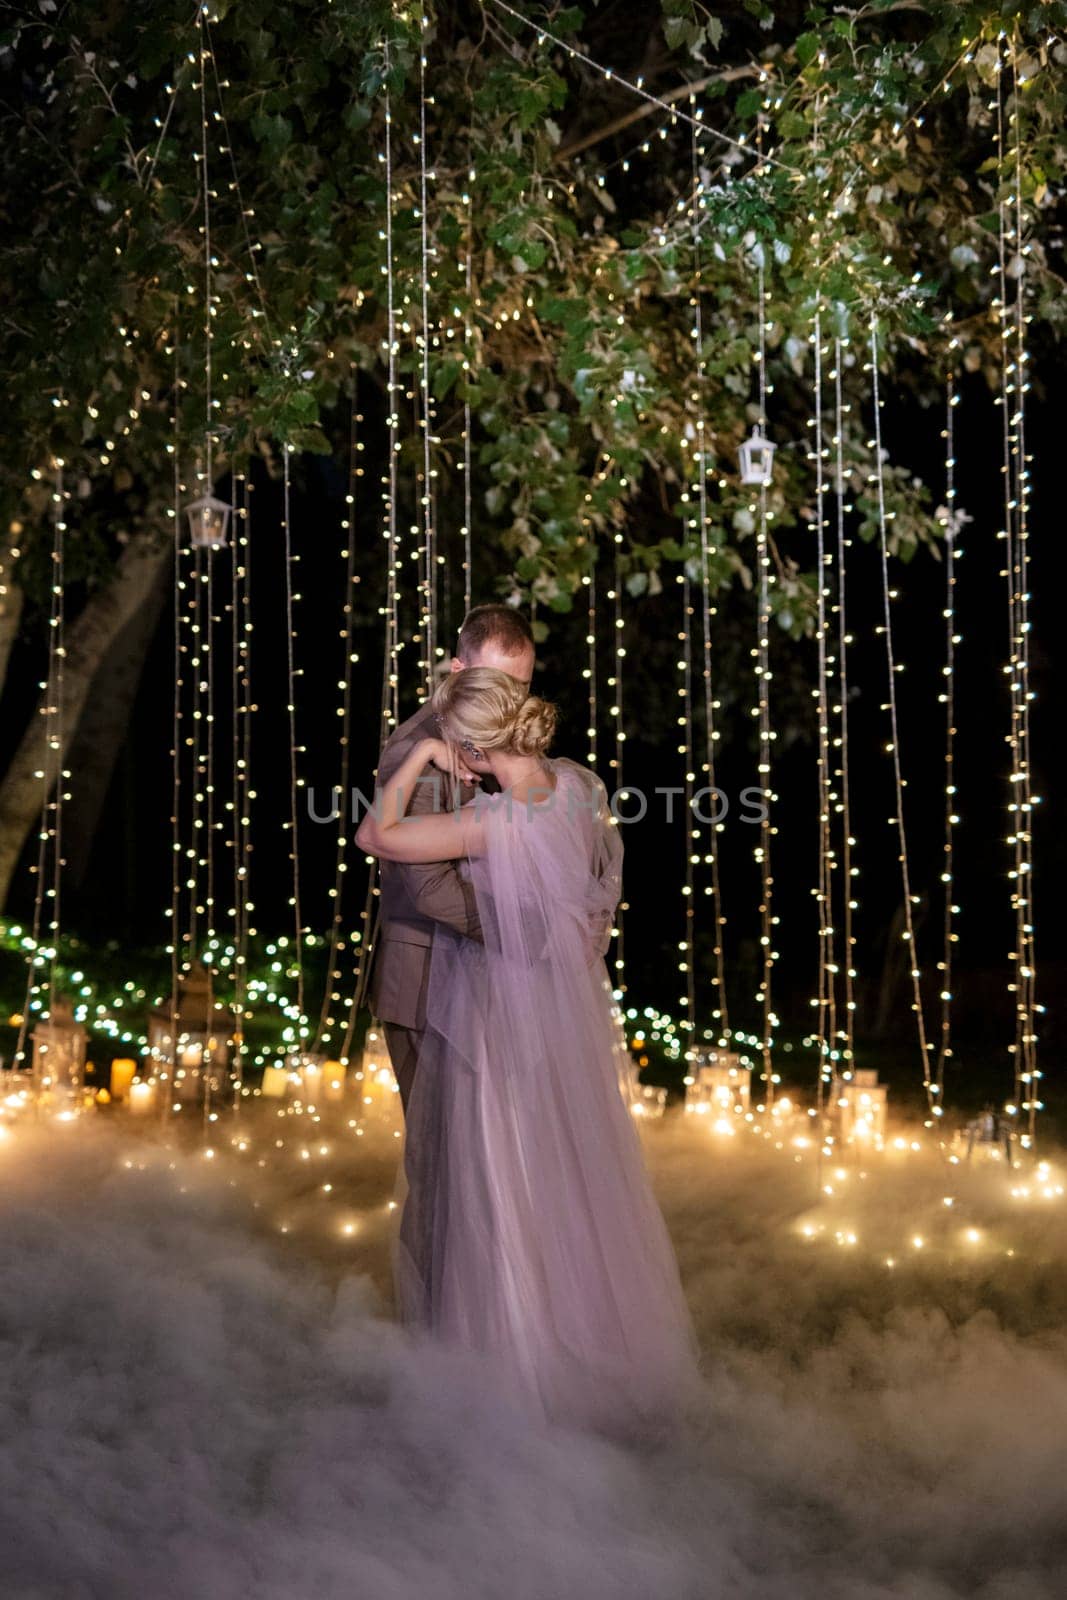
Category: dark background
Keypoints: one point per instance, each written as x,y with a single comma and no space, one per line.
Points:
124,893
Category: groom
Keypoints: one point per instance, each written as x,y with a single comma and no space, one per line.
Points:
416,896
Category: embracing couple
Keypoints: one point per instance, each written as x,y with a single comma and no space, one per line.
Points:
529,1231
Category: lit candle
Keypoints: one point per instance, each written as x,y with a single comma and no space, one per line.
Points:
312,1081
274,1082
334,1081
142,1094
122,1072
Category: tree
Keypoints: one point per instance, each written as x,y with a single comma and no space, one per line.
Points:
570,338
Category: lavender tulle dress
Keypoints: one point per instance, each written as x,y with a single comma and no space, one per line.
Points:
530,1232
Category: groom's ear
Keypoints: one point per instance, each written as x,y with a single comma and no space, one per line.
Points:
456,665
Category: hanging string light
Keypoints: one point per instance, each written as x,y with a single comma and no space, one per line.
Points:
390,480
762,654
1011,319
428,619
390,704
211,932
949,524
720,1009
892,668
59,775
253,247
164,1065
611,76
295,783
47,870
825,1003
240,842
843,800
1030,1077
826,989
390,695
685,749
468,328
323,1032
589,671
615,683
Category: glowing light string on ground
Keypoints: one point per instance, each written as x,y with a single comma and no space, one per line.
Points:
428,619
324,1030
720,1010
949,523
892,668
845,1034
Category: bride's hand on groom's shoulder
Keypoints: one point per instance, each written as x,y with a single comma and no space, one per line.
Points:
441,754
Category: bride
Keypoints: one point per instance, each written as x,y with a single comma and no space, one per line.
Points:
530,1231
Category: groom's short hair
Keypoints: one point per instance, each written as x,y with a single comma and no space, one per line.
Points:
495,624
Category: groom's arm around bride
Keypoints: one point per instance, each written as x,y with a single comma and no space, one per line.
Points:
414,897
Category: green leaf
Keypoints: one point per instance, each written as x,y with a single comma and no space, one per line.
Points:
807,48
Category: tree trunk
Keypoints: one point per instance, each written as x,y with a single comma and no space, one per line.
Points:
88,639
10,604
103,726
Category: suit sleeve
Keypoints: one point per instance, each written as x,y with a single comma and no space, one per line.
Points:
438,889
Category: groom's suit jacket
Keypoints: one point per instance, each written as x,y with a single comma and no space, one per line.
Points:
416,897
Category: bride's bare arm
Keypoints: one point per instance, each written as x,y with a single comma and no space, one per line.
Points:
387,832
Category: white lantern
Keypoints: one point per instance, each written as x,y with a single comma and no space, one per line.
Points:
756,458
197,1060
59,1053
209,521
721,1083
862,1108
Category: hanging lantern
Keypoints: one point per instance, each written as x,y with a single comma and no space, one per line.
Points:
209,521
59,1053
756,457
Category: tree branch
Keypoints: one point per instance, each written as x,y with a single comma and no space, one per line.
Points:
647,107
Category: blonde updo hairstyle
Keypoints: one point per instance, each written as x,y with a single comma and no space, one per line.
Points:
494,712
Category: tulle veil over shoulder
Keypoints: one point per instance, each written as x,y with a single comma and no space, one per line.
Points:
530,1230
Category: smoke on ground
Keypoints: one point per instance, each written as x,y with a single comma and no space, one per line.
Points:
194,1404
